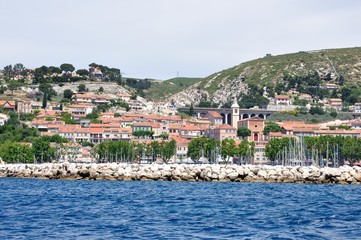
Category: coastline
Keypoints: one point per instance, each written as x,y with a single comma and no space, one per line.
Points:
184,172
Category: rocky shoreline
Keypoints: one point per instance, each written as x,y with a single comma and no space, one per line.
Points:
183,172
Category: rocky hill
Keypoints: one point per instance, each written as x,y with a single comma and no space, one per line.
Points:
338,66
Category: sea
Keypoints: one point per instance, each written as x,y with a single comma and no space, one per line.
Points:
57,209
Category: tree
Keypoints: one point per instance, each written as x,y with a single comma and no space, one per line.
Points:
246,149
352,99
243,132
143,133
12,152
14,85
8,71
54,70
333,114
68,93
168,149
228,148
66,117
42,150
345,92
44,100
46,87
280,87
341,80
191,110
67,68
334,94
196,148
81,88
19,69
153,150
316,110
271,127
101,89
274,147
82,72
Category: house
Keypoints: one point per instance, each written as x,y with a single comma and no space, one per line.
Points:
174,128
357,107
147,126
356,124
3,119
214,117
90,98
71,152
335,103
306,97
330,86
74,133
260,153
283,100
221,132
96,72
190,131
338,132
81,110
9,105
124,97
24,106
298,128
182,147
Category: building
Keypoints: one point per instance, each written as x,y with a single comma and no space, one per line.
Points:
147,126
3,119
256,126
283,100
235,113
222,132
90,98
306,97
357,107
335,103
190,131
24,106
182,147
124,97
80,110
331,86
8,105
214,117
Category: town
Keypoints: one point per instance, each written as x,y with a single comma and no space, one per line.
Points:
98,118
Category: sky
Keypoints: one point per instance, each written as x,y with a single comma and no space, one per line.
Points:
162,39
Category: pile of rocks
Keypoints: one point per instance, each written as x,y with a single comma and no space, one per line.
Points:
183,172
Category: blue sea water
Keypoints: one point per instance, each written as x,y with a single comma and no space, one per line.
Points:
55,209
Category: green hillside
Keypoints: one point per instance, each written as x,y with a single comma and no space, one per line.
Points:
304,72
270,70
164,89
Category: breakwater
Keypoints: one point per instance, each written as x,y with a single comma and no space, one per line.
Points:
183,172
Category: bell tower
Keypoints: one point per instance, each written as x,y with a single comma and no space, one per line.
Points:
235,113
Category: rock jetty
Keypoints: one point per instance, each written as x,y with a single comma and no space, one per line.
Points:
184,172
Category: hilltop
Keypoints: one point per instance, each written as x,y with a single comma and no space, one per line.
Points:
335,66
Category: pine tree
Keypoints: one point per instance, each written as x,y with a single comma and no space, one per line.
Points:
44,100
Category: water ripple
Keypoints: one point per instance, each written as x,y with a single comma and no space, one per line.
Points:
44,209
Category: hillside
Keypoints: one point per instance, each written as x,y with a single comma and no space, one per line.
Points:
167,88
333,65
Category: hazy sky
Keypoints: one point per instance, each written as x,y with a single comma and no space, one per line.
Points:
157,38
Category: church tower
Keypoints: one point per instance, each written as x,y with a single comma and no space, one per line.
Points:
235,113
